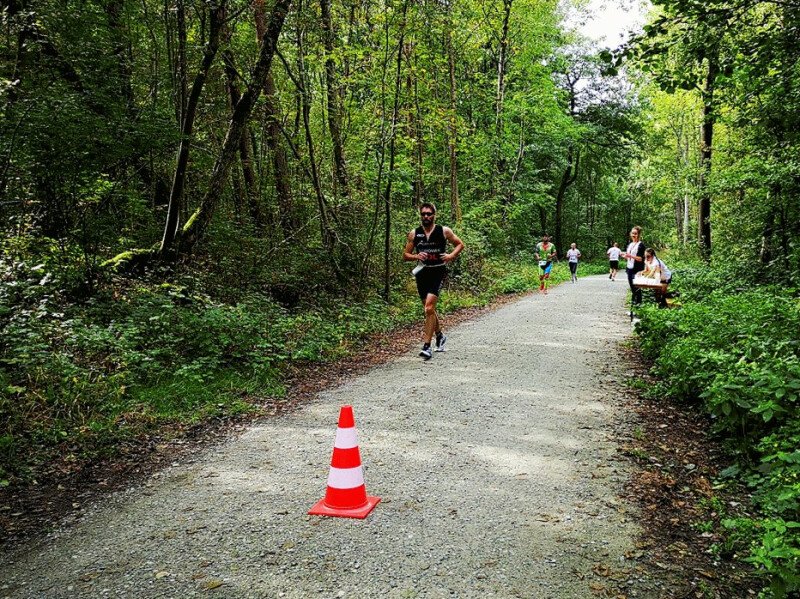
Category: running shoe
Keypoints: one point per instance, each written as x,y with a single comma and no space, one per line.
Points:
425,352
441,338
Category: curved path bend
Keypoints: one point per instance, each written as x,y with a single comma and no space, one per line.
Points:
495,461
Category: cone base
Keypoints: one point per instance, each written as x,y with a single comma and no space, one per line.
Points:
320,509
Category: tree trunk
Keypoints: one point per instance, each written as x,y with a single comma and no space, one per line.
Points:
272,119
328,236
685,219
452,121
569,177
334,101
121,52
415,120
499,160
156,182
187,128
381,154
709,118
181,66
198,223
245,148
387,196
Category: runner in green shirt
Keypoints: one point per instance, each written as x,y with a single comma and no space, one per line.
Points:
545,254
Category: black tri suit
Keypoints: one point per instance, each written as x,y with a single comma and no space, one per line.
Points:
429,279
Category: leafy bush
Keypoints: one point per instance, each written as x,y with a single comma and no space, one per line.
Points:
736,350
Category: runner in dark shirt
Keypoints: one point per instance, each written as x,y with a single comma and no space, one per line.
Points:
427,244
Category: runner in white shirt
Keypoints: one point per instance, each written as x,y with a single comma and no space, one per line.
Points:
573,253
613,261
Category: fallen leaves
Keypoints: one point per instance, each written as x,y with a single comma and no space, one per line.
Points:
212,584
671,490
601,570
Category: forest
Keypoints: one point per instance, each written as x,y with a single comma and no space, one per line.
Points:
198,195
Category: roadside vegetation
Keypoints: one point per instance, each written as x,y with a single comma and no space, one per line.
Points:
733,348
79,377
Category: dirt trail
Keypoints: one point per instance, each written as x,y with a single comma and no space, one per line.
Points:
495,461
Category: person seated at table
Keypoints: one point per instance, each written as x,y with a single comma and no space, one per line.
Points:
654,268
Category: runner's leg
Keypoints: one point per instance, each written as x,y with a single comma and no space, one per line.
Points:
636,294
431,318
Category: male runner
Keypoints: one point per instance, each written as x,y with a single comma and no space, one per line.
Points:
545,254
428,244
613,261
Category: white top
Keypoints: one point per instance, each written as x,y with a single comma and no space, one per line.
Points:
633,247
613,253
650,267
573,255
666,273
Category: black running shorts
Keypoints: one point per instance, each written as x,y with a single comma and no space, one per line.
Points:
614,264
429,280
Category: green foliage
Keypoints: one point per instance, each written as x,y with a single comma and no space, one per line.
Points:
734,348
774,548
79,377
525,278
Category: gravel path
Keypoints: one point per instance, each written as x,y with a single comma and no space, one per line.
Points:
495,462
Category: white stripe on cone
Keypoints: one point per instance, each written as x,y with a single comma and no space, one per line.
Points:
345,478
345,438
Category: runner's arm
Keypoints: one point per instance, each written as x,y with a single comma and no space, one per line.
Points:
458,245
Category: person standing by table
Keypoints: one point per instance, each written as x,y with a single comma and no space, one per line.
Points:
634,254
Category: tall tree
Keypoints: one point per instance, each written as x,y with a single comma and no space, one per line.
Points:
273,125
387,194
198,223
500,94
687,47
334,100
452,116
216,19
245,144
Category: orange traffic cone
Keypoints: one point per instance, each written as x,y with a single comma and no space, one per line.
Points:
346,496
